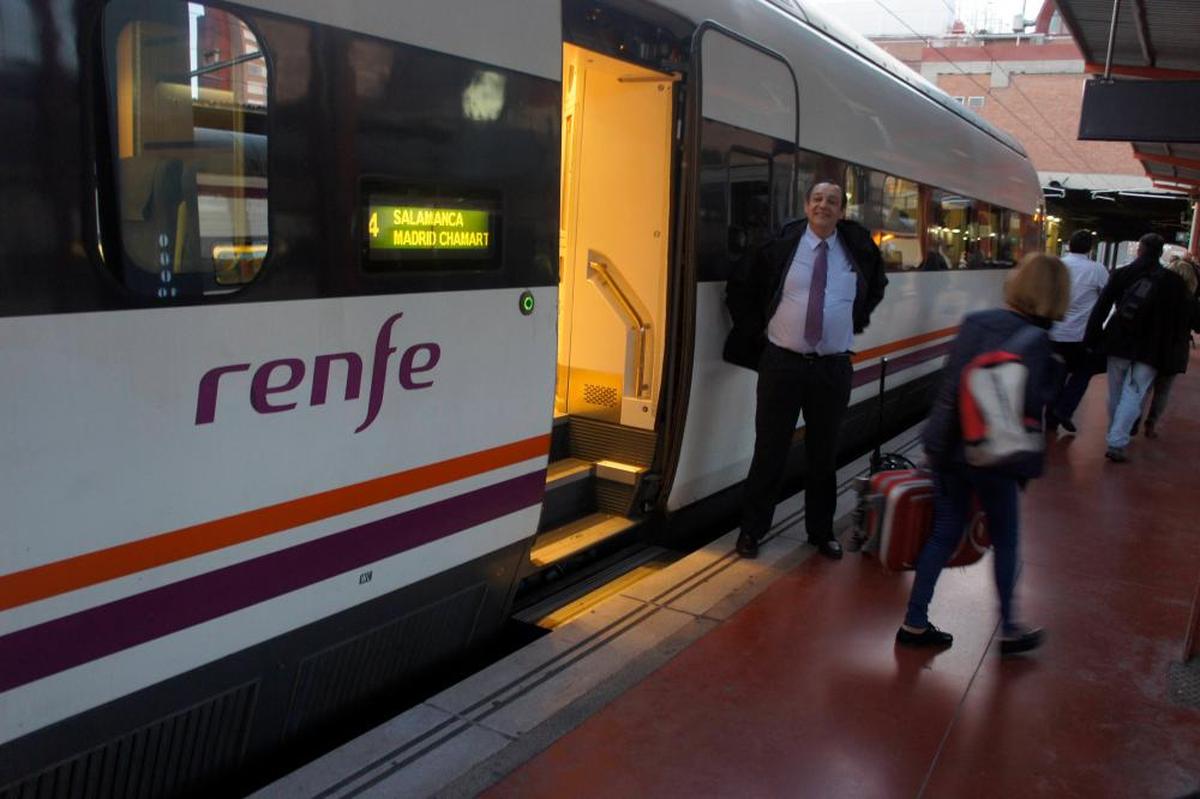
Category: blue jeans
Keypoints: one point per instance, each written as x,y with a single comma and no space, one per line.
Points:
1128,382
1158,398
951,504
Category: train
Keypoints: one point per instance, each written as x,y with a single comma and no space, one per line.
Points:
326,325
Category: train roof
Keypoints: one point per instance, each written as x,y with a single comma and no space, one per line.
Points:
806,11
857,102
860,104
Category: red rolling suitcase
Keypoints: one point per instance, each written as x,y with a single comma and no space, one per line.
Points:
896,518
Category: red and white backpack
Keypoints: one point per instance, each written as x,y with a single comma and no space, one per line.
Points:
991,404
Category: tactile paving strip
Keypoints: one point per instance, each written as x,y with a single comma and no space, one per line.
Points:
1183,683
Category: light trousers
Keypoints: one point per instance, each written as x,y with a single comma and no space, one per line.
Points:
1128,382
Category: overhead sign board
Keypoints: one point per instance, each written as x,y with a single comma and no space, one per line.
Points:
1141,110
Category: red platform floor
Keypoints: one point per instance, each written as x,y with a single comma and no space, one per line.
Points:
803,693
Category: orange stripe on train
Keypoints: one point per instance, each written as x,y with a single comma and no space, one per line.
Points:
51,579
904,343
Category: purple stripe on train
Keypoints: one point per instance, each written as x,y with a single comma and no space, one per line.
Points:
54,646
869,374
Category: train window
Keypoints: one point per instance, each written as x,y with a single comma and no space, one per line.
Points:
712,207
749,181
187,91
783,199
1031,233
1010,246
898,232
890,208
863,188
951,227
984,245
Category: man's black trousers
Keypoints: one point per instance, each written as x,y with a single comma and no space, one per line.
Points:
789,383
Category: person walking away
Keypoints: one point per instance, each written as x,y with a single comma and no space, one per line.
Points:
1088,279
796,304
1149,309
1037,292
1180,351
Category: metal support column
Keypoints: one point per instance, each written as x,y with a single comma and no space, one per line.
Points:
1112,38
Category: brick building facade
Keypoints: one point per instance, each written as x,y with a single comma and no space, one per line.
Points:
1032,87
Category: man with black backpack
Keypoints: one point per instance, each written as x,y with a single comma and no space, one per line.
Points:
1148,313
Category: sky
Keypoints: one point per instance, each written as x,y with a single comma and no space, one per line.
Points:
928,17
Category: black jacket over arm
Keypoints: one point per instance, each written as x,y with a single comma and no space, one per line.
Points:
754,290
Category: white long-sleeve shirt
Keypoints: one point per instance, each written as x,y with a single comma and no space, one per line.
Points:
1088,279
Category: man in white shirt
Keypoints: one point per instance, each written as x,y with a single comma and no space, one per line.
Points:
1088,279
796,309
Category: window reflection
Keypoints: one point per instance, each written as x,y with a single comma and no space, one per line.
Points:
483,99
897,235
189,98
917,227
951,228
749,181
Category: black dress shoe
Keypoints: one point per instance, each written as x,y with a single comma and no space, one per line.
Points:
747,547
830,549
930,636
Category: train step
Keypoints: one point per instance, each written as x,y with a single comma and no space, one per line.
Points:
567,471
572,538
570,492
576,487
621,572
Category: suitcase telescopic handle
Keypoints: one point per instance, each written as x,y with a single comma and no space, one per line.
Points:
877,455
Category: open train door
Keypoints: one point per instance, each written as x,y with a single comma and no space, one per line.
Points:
615,216
738,89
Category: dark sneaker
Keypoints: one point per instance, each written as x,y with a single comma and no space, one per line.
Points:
1021,640
747,547
930,636
1116,454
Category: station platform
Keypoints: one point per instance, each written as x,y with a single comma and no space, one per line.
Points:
785,680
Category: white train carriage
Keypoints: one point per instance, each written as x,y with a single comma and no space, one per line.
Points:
326,324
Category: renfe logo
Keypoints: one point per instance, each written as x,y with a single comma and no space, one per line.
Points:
416,359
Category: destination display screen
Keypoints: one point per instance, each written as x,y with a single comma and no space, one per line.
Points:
430,231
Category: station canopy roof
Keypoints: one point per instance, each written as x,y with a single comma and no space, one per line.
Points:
1154,101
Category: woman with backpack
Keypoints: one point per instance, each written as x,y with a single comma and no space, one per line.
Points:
1036,293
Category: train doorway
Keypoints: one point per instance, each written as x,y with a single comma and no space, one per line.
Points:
613,254
614,217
